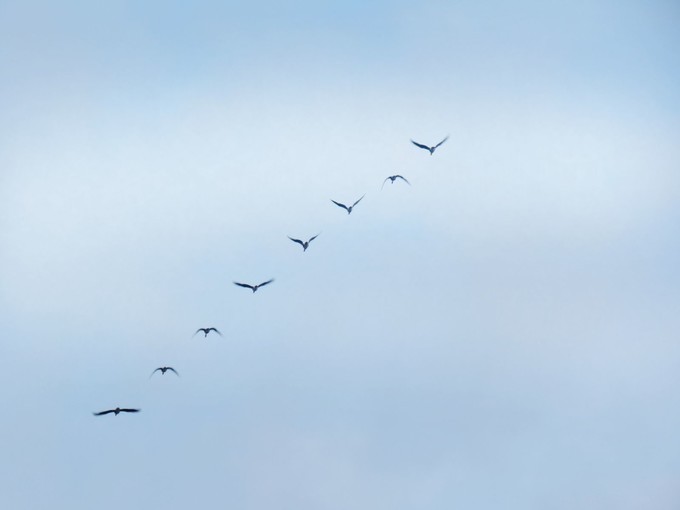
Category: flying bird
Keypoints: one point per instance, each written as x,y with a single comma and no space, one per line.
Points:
117,410
431,149
254,287
206,331
348,209
394,178
163,370
304,244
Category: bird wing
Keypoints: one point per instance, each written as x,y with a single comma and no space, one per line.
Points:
244,285
362,197
340,205
172,369
297,241
441,142
199,329
215,330
130,410
312,238
420,145
266,283
403,179
154,373
383,184
104,412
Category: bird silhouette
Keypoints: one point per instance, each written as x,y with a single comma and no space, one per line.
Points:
394,178
163,370
304,244
431,149
254,287
206,331
117,410
348,209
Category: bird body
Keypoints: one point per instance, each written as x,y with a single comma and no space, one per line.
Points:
206,331
116,411
163,370
348,208
304,244
254,287
427,148
393,178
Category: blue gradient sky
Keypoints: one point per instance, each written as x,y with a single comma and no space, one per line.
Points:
502,334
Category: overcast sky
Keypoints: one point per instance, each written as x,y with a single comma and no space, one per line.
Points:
501,334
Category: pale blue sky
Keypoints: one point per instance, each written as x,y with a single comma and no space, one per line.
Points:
501,334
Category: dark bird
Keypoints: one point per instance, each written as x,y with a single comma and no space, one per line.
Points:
163,370
394,178
431,149
117,410
348,209
206,331
254,287
304,244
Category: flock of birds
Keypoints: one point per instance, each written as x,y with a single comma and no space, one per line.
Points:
254,288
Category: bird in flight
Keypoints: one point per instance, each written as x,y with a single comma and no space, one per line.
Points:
206,331
117,410
254,287
431,149
394,178
163,370
304,244
348,209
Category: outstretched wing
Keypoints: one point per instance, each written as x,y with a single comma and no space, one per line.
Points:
383,184
297,241
199,329
266,283
213,329
154,373
340,205
441,142
312,238
420,145
104,412
362,197
244,285
173,370
403,179
130,410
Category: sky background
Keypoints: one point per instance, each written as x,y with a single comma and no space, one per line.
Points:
501,334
